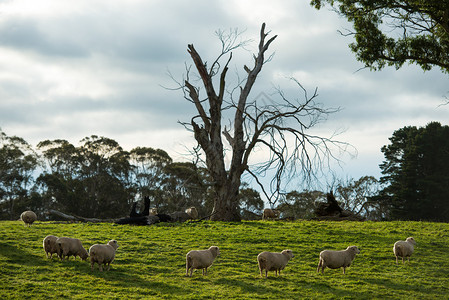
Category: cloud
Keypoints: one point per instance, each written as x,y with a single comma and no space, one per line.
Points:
72,69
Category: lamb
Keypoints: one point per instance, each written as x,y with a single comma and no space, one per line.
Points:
270,214
337,259
192,212
102,254
273,261
49,245
69,246
28,217
404,248
201,259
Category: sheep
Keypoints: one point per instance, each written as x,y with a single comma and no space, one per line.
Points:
273,261
152,212
201,259
28,217
404,248
49,245
270,214
102,254
192,212
337,259
70,246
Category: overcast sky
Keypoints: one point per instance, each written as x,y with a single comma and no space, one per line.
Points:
71,69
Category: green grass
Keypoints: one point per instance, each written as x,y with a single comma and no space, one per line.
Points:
150,262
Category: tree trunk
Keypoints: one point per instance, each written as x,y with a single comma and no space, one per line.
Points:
226,203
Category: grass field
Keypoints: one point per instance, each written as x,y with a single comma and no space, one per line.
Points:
150,262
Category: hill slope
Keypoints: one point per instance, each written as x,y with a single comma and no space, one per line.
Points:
150,262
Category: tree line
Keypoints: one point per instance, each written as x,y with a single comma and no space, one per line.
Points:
99,179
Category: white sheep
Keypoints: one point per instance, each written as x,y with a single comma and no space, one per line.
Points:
28,217
273,261
269,213
404,248
337,259
102,254
201,259
49,245
192,212
70,246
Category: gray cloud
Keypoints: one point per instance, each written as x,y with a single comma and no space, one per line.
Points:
100,67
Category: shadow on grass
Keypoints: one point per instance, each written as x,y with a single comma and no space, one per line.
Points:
15,255
134,280
402,288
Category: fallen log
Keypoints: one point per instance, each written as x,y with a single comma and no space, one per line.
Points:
75,218
143,220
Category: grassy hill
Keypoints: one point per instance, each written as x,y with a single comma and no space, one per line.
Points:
150,262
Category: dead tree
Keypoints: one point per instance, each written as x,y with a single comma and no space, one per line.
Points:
276,127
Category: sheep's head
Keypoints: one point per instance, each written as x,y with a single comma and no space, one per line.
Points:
411,240
84,255
288,253
113,244
353,249
214,250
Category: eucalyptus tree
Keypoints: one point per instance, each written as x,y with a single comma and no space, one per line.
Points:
358,197
399,31
59,183
91,180
185,184
300,205
147,172
277,127
250,202
18,162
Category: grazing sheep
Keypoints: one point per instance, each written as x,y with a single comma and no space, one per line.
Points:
192,212
28,217
49,245
102,254
404,248
70,246
201,259
337,259
270,214
273,261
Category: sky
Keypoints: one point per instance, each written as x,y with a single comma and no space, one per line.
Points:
72,69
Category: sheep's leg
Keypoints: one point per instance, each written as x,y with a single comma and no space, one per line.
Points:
205,271
344,270
109,266
320,264
191,271
396,259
